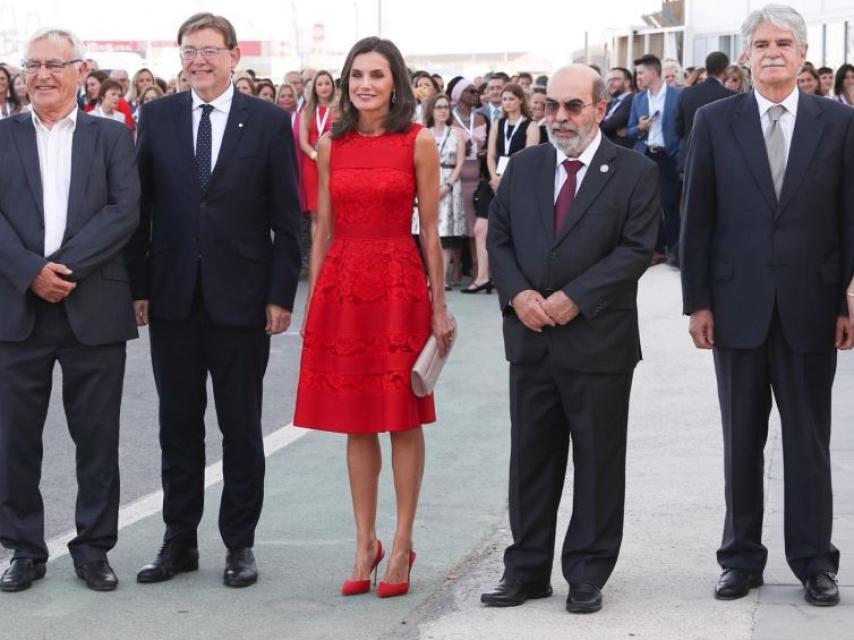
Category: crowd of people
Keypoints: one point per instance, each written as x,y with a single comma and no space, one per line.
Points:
558,192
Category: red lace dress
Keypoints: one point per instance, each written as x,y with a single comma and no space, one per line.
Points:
369,314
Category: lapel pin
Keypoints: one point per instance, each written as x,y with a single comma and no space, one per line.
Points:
604,168
240,124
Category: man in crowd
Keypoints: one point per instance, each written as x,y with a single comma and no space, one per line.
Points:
494,87
214,270
69,201
567,286
616,123
121,76
767,253
826,78
652,126
701,94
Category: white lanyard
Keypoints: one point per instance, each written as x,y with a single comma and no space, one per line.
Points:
293,117
321,124
470,129
509,139
440,142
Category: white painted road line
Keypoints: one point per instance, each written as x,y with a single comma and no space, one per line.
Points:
151,504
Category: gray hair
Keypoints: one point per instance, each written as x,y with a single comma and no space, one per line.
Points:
57,36
779,15
600,90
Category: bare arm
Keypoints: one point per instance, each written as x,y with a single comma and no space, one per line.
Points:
427,178
304,124
491,163
324,225
533,134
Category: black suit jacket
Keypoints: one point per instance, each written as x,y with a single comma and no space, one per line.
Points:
103,212
743,253
240,237
693,98
617,121
596,258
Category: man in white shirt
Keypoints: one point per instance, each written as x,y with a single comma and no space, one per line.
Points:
69,201
571,230
767,252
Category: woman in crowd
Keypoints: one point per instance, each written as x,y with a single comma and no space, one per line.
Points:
843,85
696,76
317,118
9,104
245,85
369,311
452,155
150,93
19,86
425,88
473,126
512,132
93,88
265,90
736,79
808,81
142,79
108,101
286,98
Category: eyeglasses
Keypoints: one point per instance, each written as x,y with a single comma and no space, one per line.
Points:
208,53
442,106
56,67
573,107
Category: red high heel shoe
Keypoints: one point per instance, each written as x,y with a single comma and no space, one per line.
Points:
355,587
392,589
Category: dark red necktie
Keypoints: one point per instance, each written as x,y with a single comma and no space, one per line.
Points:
567,192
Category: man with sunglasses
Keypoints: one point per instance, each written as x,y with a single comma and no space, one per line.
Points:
571,230
69,201
214,270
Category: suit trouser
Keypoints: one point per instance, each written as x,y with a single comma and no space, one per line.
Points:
668,178
550,405
182,353
801,384
92,378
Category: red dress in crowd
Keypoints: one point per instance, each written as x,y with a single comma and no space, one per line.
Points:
369,314
324,116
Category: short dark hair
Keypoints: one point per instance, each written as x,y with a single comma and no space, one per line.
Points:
399,116
626,73
429,121
823,70
716,63
526,76
209,21
542,81
497,75
539,89
108,85
650,61
264,82
595,68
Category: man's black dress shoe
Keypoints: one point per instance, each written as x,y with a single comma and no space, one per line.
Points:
821,589
584,598
240,568
173,558
512,593
735,583
98,575
21,573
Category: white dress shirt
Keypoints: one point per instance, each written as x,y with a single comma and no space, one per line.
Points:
219,118
787,120
98,112
54,146
585,158
655,138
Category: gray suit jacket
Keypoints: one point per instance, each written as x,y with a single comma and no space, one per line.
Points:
103,212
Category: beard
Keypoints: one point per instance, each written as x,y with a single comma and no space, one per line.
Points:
574,146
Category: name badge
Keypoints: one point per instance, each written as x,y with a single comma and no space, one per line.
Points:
502,164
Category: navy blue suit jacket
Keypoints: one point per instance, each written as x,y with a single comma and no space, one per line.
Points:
240,238
743,252
640,107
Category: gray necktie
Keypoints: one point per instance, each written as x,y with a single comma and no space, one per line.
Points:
775,144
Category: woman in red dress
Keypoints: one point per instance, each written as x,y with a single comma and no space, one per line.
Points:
370,310
316,120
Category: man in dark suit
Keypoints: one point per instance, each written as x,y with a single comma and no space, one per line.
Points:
767,253
711,89
69,201
571,230
616,123
214,268
652,126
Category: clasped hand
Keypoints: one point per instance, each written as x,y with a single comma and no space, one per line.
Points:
50,285
537,312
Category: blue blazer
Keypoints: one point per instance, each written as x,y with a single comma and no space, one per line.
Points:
640,108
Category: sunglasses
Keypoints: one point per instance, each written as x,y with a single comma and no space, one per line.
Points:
573,107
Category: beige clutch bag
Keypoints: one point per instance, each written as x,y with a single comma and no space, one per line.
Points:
428,366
